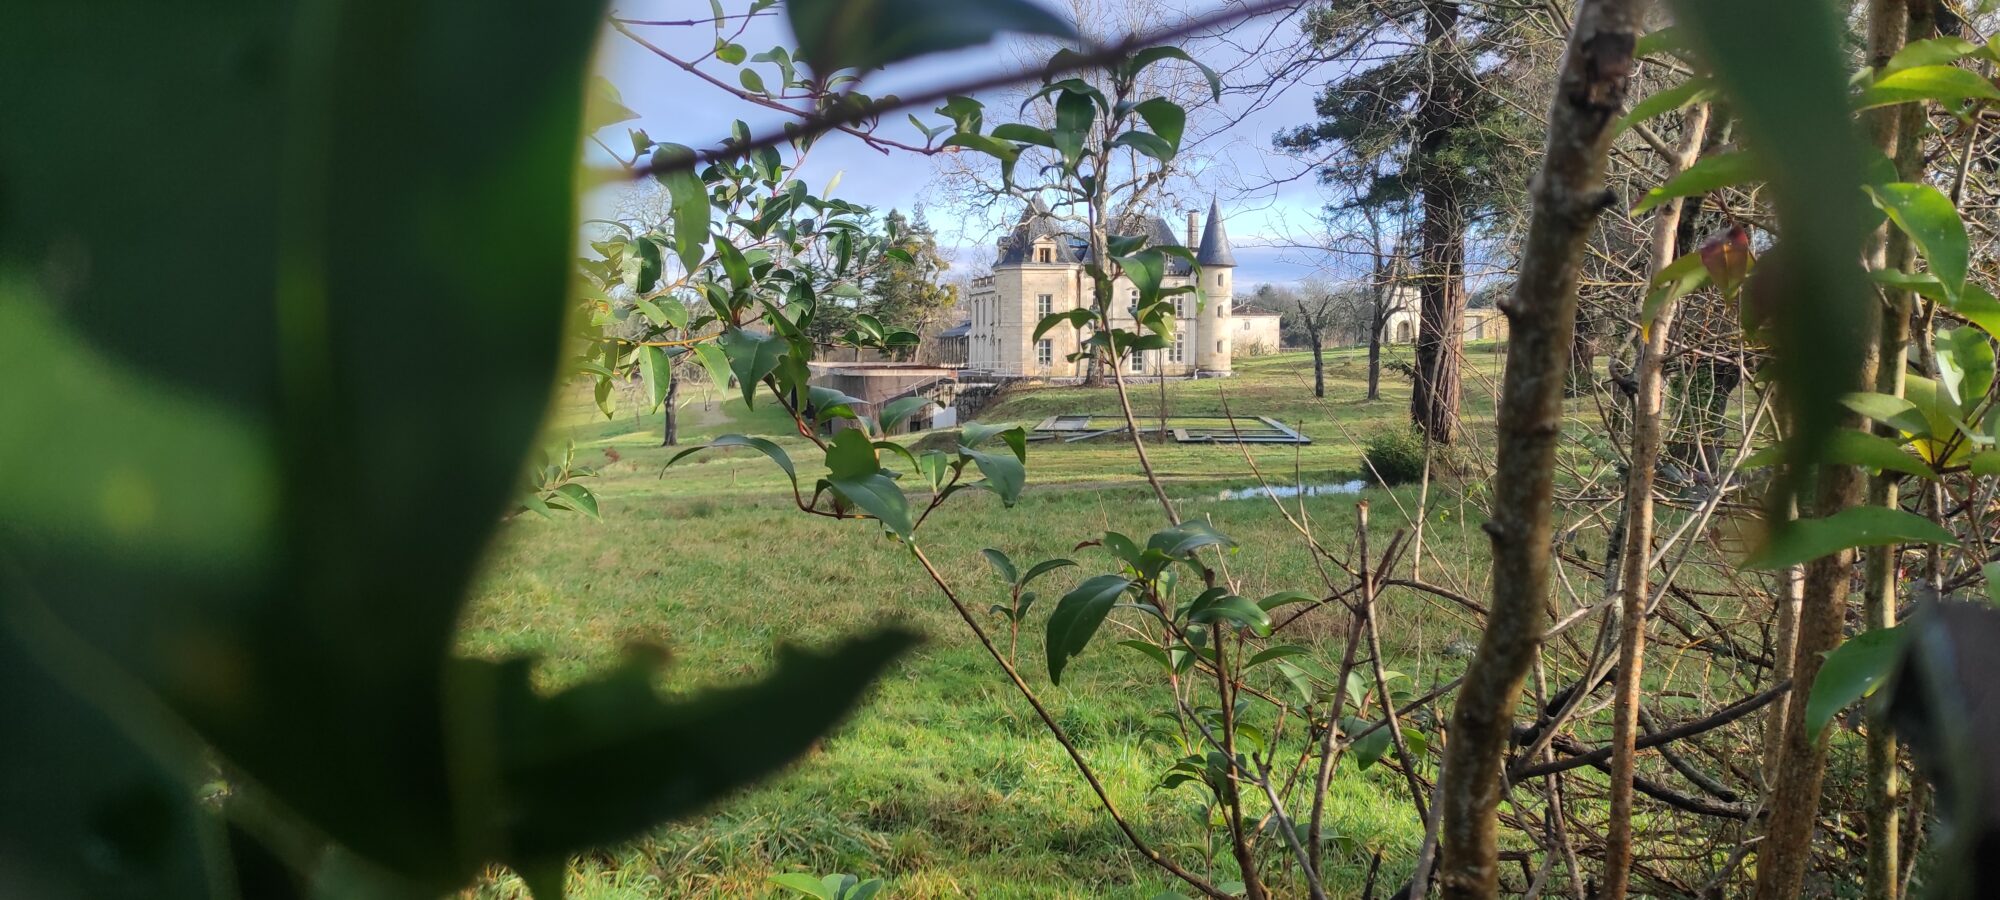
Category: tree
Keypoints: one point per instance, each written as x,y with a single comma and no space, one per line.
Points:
1412,125
1314,312
910,292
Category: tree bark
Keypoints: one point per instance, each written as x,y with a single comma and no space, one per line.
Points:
1375,364
1568,195
1637,556
671,428
1786,852
1441,281
1319,368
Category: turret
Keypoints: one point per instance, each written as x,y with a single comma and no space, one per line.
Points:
1216,327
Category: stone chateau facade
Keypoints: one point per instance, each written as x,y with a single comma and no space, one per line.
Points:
1039,269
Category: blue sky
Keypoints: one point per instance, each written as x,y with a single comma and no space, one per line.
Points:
1269,207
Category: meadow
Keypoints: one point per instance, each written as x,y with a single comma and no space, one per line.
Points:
943,783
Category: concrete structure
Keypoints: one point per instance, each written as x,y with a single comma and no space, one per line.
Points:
1480,325
1039,269
876,384
1256,332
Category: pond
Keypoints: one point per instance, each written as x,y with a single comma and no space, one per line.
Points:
1288,491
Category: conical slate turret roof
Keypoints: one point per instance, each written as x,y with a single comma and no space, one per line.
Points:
1215,249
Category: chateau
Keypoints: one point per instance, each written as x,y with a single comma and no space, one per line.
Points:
1039,269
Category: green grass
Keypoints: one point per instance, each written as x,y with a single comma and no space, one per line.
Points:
944,783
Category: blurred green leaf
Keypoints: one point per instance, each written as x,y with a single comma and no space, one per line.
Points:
1945,84
1709,174
1860,526
606,759
866,34
1852,671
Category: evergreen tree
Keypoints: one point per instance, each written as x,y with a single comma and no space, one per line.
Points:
1411,125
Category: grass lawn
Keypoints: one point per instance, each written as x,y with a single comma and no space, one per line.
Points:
944,784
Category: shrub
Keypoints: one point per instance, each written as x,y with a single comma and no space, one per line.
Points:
1396,456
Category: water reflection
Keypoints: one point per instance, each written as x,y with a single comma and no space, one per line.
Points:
1288,491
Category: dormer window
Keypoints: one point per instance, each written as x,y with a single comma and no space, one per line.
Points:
1045,254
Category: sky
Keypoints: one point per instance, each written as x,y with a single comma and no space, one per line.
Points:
1268,201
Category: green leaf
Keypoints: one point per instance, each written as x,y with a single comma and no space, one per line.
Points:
1709,174
1965,362
1860,526
1026,134
751,81
716,362
761,445
1285,598
804,884
655,369
1859,448
733,54
1273,653
1005,475
857,476
1662,40
1148,144
1002,564
1228,607
1680,96
1852,671
604,107
1935,51
966,114
828,404
1945,84
1166,118
1151,55
1182,540
1370,749
1978,307
690,202
1077,617
896,411
1152,651
1074,114
605,759
751,357
575,497
1928,217
867,34
1671,283
1044,567
650,266
1896,412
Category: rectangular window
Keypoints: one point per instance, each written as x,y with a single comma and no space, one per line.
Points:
1246,324
1045,254
1139,361
1045,353
1178,352
1044,304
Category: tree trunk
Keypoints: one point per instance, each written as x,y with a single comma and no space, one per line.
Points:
1441,276
1637,554
1568,195
1375,365
1786,852
670,430
1319,370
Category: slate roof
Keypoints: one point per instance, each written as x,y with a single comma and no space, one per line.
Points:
1215,249
1036,223
959,331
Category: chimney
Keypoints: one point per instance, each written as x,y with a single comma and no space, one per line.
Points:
1191,242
